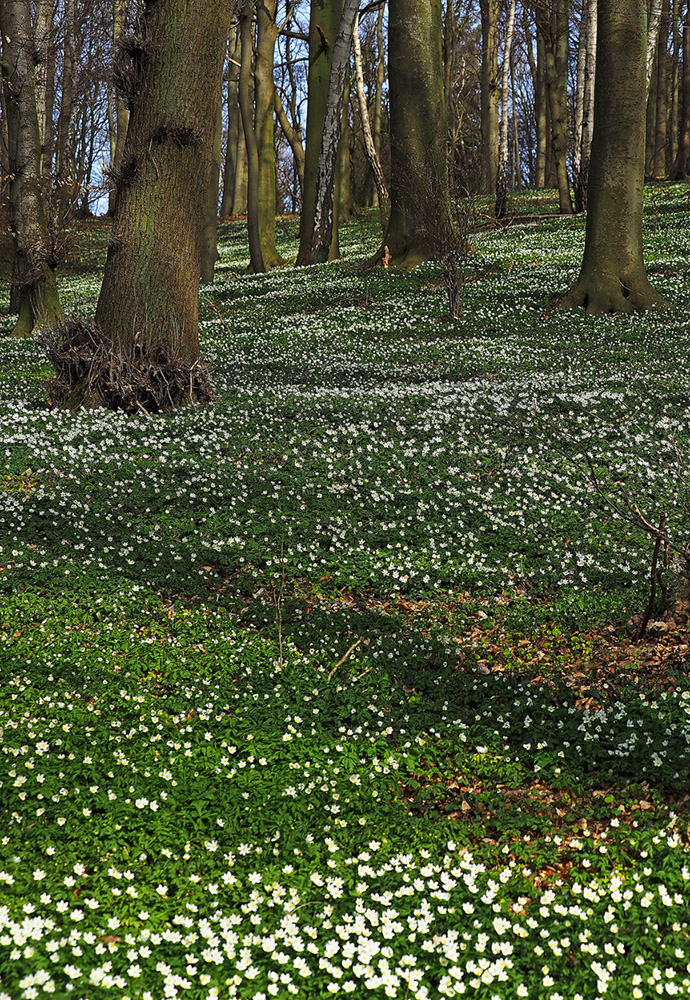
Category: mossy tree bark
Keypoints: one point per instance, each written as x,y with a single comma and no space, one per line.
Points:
324,21
419,182
37,299
612,277
150,291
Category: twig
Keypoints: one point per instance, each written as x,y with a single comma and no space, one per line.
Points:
218,314
652,596
342,659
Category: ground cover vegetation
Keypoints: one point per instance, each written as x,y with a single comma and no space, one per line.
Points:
332,686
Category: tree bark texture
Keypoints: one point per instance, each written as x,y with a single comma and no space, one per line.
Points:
555,27
64,182
330,137
264,115
256,260
419,182
584,120
121,114
501,175
612,277
324,21
369,146
209,252
680,166
150,291
489,96
659,170
37,298
234,134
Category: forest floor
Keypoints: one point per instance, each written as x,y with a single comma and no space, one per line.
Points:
333,686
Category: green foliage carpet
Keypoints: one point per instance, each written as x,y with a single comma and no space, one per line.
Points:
331,687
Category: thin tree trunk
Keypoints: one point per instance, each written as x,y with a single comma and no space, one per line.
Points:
264,115
209,250
661,110
121,115
583,129
612,277
330,138
370,148
233,134
256,261
653,23
680,166
65,192
37,298
556,58
541,108
500,207
324,22
292,137
489,96
378,90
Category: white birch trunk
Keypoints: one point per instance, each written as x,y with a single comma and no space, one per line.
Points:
505,117
370,148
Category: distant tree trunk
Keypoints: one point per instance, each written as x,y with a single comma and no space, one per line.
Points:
234,133
292,137
121,116
256,260
501,176
584,113
653,24
323,28
65,184
680,166
555,26
330,138
419,182
264,91
150,293
612,277
45,73
489,96
370,148
209,251
37,299
517,164
661,109
378,91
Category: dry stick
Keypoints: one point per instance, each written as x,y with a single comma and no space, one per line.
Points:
278,603
652,597
340,662
218,313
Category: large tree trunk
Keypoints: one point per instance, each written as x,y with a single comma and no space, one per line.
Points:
323,28
489,96
266,34
149,299
37,300
419,182
330,138
256,260
612,277
501,179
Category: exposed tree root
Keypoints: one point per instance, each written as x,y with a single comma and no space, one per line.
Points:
606,293
146,377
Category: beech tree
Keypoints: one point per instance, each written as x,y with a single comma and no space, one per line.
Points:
612,277
38,300
147,311
418,128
